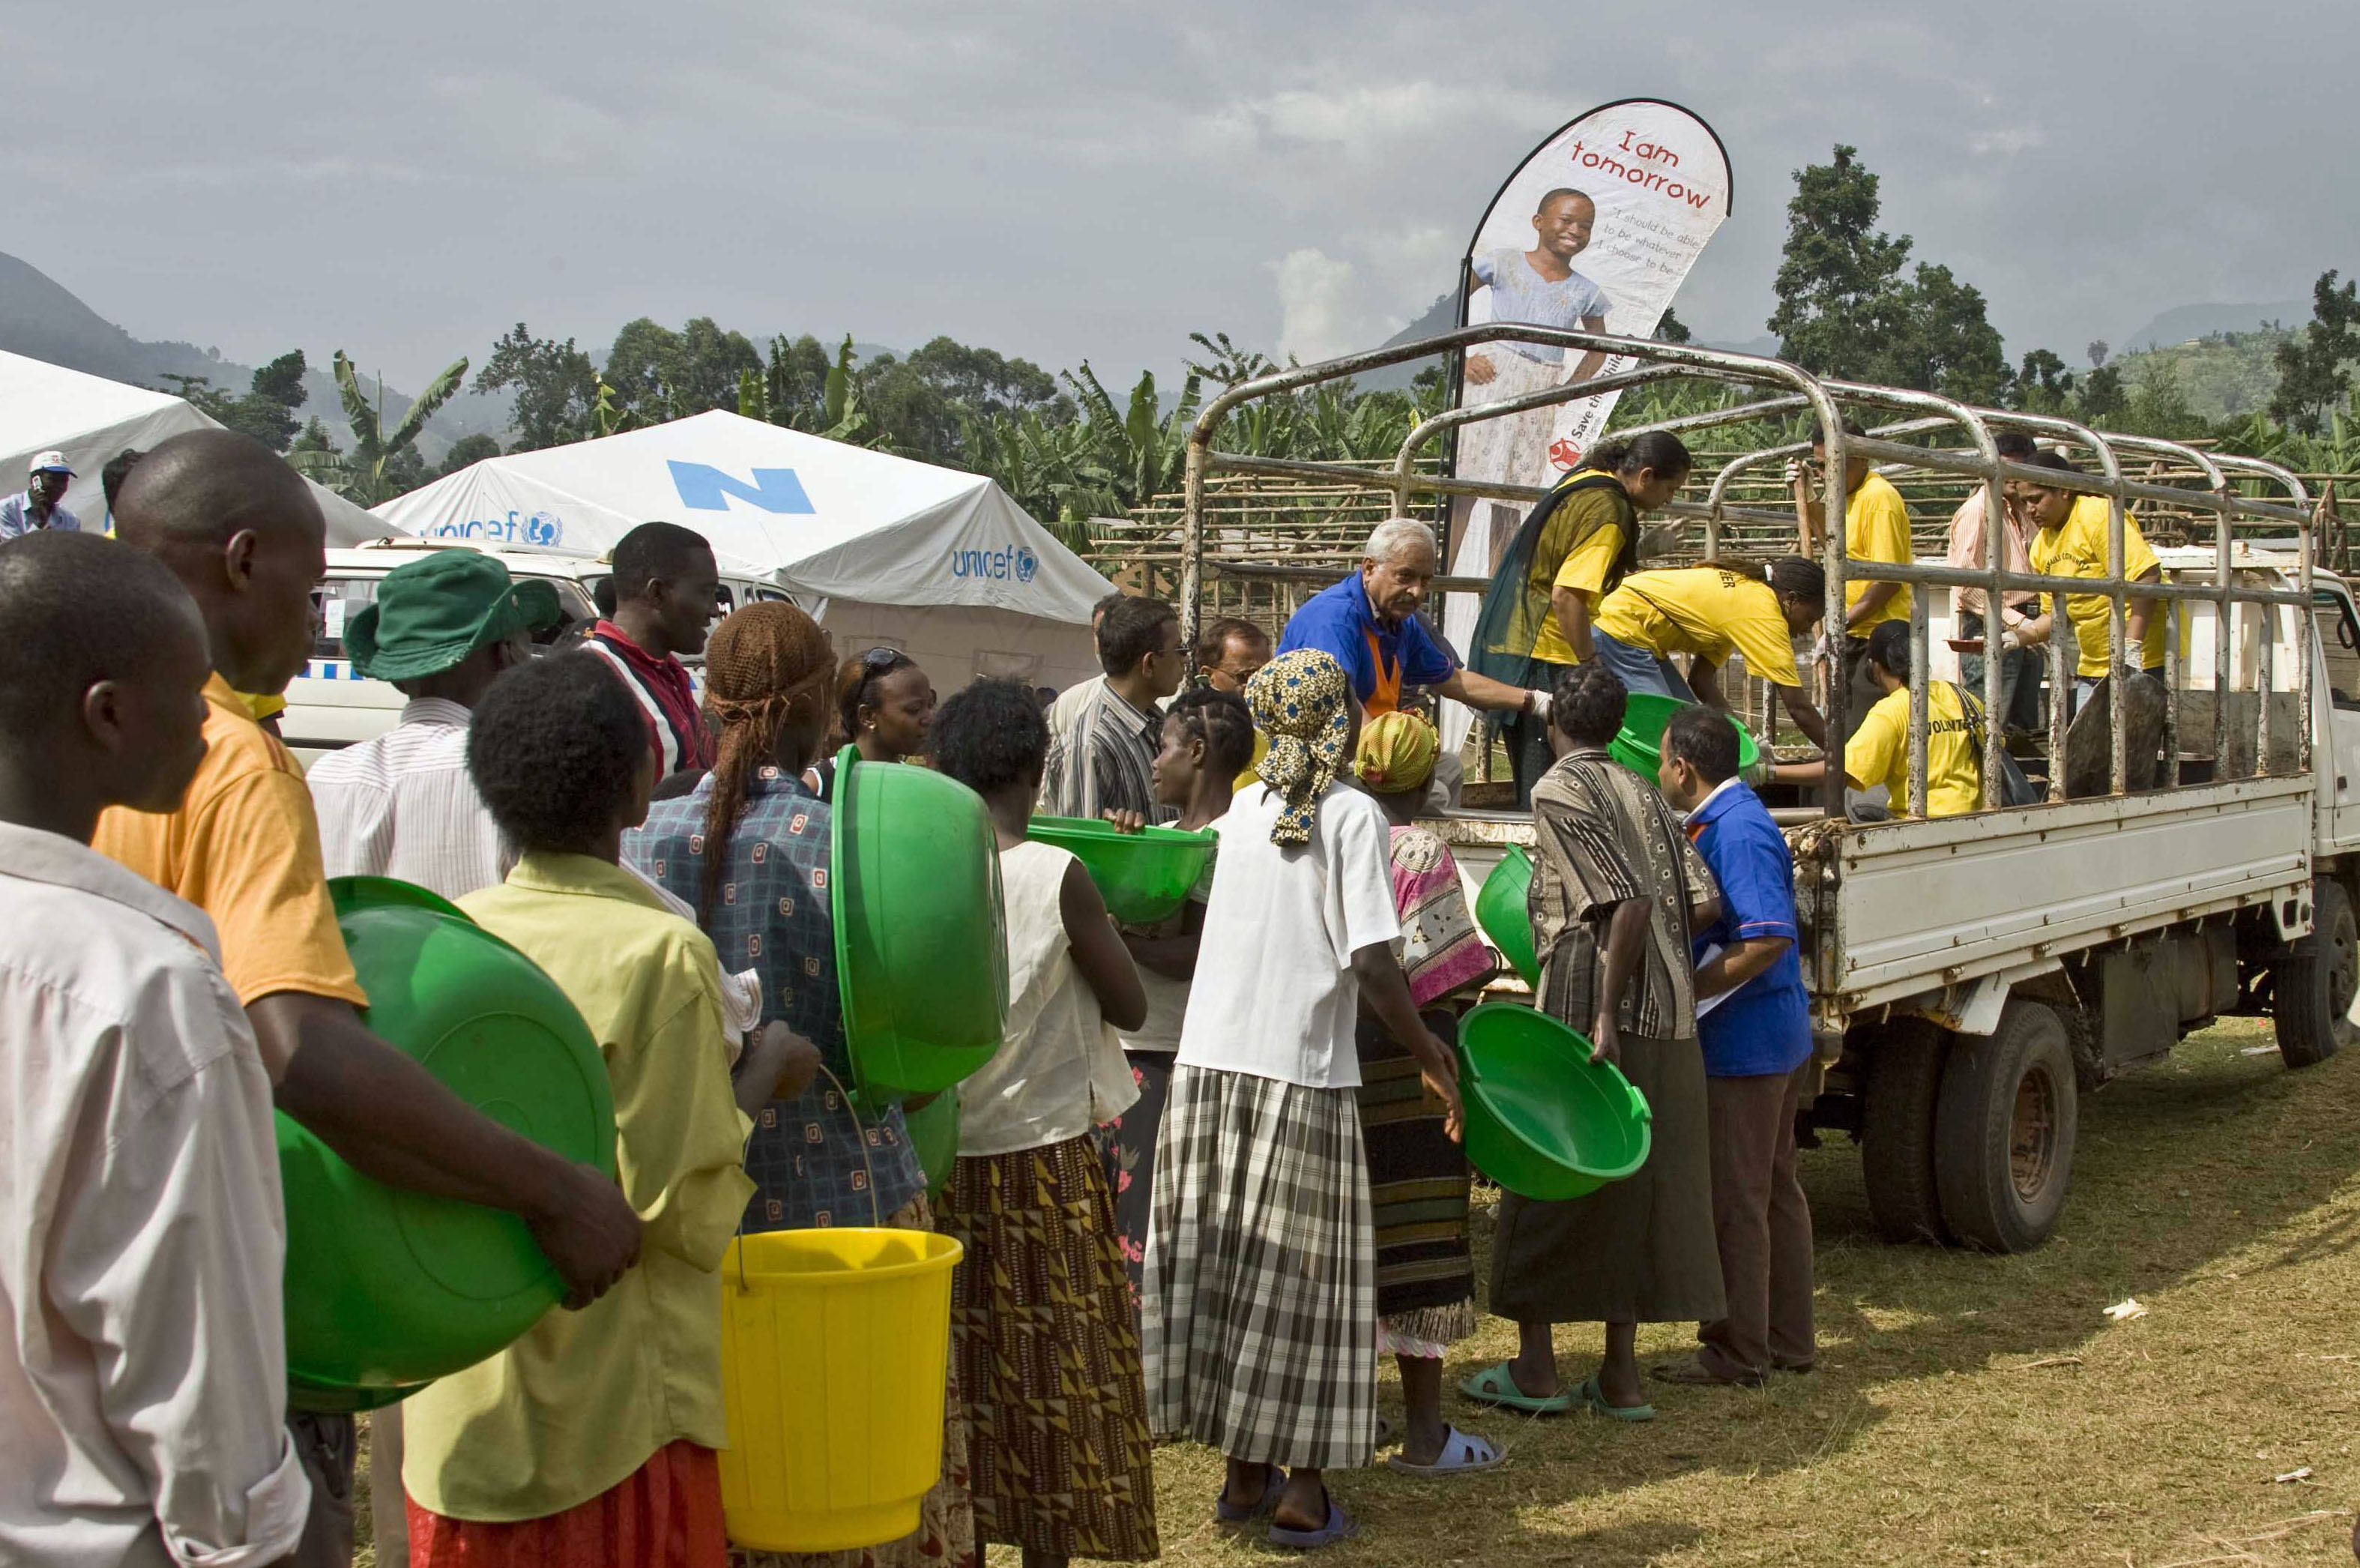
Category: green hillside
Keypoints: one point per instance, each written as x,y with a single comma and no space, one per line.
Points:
2224,375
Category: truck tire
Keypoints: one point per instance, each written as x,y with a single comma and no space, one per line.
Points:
2004,1129
1896,1130
2311,989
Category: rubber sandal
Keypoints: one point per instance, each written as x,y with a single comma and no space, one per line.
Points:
1496,1385
1341,1526
1693,1374
1273,1482
1462,1454
1595,1398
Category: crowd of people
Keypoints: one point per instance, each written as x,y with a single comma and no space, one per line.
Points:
1209,1178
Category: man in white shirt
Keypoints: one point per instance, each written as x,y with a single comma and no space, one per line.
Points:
143,1365
441,630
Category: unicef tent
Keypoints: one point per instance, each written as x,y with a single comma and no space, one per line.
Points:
882,550
90,419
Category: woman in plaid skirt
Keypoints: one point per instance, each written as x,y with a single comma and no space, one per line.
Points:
1260,1309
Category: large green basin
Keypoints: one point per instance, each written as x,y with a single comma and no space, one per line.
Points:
388,1289
1142,876
1501,908
921,934
934,1130
1640,745
1541,1121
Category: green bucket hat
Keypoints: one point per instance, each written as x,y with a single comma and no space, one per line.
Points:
431,614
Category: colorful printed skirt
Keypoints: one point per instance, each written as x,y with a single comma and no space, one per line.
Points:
1418,1190
1046,1344
665,1514
1261,1299
1129,1143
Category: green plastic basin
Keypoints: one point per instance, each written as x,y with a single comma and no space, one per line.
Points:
1640,745
921,934
388,1289
1500,908
1142,876
1541,1121
934,1130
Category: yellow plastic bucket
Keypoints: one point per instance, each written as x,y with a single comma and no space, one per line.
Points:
834,1350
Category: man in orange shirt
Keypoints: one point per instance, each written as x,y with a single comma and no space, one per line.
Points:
241,531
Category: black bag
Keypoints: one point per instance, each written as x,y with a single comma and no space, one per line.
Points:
2014,789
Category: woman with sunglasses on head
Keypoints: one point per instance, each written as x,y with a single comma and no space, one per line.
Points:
885,705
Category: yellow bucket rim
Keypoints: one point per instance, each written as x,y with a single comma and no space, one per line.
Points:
943,1252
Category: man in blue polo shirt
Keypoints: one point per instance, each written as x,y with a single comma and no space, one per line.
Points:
39,504
1756,1037
1369,623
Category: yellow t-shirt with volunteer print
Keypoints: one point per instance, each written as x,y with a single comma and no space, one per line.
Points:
2077,548
1878,753
1704,611
1876,528
1584,571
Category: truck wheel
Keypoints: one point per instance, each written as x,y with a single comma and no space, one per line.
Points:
2311,989
2003,1126
1896,1130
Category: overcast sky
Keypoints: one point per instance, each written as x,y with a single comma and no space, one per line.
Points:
1071,180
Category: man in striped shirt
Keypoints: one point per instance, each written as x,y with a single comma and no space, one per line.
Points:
1107,760
666,585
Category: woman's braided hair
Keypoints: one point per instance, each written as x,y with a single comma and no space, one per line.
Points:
760,664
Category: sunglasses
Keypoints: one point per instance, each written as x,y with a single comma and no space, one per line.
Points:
878,660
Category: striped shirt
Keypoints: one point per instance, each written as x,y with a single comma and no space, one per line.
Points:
668,697
1105,762
402,806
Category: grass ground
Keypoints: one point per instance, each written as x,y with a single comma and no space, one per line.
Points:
1972,1410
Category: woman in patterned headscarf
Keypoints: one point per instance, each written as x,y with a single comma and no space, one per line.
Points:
749,850
1261,1297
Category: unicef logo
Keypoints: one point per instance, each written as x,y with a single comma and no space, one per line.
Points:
1026,564
541,528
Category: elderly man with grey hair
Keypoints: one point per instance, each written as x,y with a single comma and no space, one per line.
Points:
1369,621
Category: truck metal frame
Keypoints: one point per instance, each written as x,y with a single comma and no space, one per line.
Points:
1944,955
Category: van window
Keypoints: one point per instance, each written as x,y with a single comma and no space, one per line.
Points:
337,600
574,600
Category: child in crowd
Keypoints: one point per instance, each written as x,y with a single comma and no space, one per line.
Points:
749,850
1260,1299
1041,1324
591,1440
1418,1183
1207,741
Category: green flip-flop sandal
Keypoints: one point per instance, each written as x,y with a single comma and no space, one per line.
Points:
1495,1386
1590,1394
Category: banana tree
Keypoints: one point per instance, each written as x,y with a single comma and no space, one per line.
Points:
370,471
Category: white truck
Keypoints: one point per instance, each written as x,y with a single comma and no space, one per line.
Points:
1972,976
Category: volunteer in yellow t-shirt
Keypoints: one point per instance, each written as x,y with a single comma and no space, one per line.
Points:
1878,751
2071,542
1876,528
1705,612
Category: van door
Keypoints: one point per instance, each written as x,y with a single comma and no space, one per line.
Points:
2337,708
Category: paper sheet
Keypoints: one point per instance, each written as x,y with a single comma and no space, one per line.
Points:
1712,951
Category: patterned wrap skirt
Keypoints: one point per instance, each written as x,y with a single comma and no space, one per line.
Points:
1129,1143
1260,1306
665,1514
1045,1345
1418,1190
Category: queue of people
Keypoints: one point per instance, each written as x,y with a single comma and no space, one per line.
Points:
1211,1175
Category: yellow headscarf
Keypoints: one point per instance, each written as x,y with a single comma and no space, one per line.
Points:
1397,753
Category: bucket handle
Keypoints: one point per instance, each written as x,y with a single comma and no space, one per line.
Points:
1640,1109
860,1134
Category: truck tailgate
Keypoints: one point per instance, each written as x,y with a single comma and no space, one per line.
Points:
1923,905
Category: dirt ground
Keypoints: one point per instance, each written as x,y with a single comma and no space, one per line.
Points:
1970,1409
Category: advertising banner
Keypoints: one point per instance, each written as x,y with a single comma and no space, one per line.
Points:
1596,229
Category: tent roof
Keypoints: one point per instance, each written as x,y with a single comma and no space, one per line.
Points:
825,518
90,419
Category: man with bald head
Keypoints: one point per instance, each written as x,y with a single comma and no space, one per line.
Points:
143,1358
240,531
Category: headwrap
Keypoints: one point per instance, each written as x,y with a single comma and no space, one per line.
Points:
1397,752
1302,701
759,663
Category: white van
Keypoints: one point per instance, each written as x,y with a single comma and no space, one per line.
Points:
330,707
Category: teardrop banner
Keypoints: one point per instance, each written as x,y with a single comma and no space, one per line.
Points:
1596,229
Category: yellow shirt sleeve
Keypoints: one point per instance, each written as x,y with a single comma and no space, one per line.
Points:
1584,571
1760,633
1878,751
1876,528
252,863
680,1136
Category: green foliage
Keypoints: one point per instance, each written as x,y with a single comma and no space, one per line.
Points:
2313,381
659,374
1229,364
1845,309
381,464
267,411
556,388
466,452
1671,329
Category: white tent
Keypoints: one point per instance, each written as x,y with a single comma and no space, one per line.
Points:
883,550
90,419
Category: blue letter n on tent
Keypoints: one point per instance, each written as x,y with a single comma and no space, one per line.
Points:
704,488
